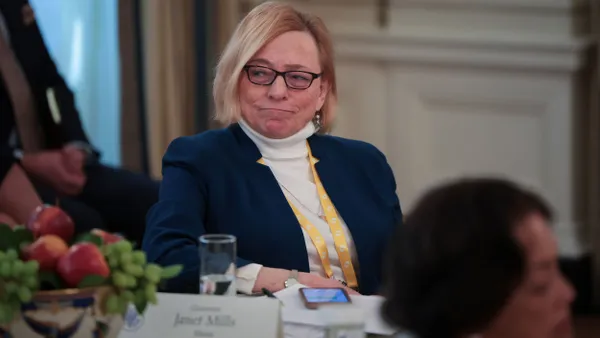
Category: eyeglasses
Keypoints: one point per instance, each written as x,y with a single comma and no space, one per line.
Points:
265,76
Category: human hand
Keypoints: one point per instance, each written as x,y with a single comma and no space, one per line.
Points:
74,158
271,279
16,208
316,281
274,280
7,219
55,168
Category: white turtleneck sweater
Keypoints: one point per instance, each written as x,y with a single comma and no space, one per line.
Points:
288,160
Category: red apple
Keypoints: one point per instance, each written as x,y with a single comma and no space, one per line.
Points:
107,237
80,261
51,220
47,250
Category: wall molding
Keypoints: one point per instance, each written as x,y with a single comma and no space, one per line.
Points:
502,4
514,4
515,52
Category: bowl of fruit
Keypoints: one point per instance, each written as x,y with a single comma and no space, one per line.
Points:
55,284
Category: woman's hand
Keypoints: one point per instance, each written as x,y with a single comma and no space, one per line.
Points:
316,281
271,279
274,280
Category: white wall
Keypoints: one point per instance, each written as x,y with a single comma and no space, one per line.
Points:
466,87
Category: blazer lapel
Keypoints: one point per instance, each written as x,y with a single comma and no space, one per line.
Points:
278,209
259,172
335,181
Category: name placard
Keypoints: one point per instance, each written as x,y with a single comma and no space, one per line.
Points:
200,316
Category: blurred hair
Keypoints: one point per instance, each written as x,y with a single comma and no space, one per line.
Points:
455,262
263,24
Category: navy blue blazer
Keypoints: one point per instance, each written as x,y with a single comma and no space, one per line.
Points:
212,183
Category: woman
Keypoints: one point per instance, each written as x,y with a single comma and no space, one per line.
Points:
273,178
477,258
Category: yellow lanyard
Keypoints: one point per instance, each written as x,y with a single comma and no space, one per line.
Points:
335,226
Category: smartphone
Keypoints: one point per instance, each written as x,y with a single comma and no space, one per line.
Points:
315,297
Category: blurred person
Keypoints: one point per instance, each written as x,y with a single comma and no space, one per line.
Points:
305,207
18,197
477,258
40,131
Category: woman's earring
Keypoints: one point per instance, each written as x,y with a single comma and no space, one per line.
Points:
317,121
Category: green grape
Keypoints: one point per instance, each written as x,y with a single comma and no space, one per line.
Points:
17,268
112,249
150,293
107,250
128,296
125,258
127,246
139,257
18,283
135,280
11,287
113,262
112,304
123,246
123,305
120,279
134,270
30,282
131,281
152,273
5,269
24,294
31,268
11,254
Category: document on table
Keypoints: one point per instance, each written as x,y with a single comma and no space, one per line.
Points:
294,311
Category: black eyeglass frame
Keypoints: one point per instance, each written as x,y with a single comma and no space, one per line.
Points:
282,74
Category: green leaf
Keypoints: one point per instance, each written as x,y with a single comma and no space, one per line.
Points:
7,239
49,280
92,281
89,238
171,271
22,235
161,286
140,307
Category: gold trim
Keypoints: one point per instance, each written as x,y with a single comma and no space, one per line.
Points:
70,292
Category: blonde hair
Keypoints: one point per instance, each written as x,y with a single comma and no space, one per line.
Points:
263,24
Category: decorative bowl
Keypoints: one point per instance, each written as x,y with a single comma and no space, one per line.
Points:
68,313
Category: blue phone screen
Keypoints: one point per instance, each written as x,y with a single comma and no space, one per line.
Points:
316,295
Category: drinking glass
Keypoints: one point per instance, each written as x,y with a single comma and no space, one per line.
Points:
217,264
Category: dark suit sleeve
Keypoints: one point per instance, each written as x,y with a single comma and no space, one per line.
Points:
6,151
6,161
175,223
387,182
391,182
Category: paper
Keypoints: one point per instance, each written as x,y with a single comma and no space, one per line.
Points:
294,311
192,316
